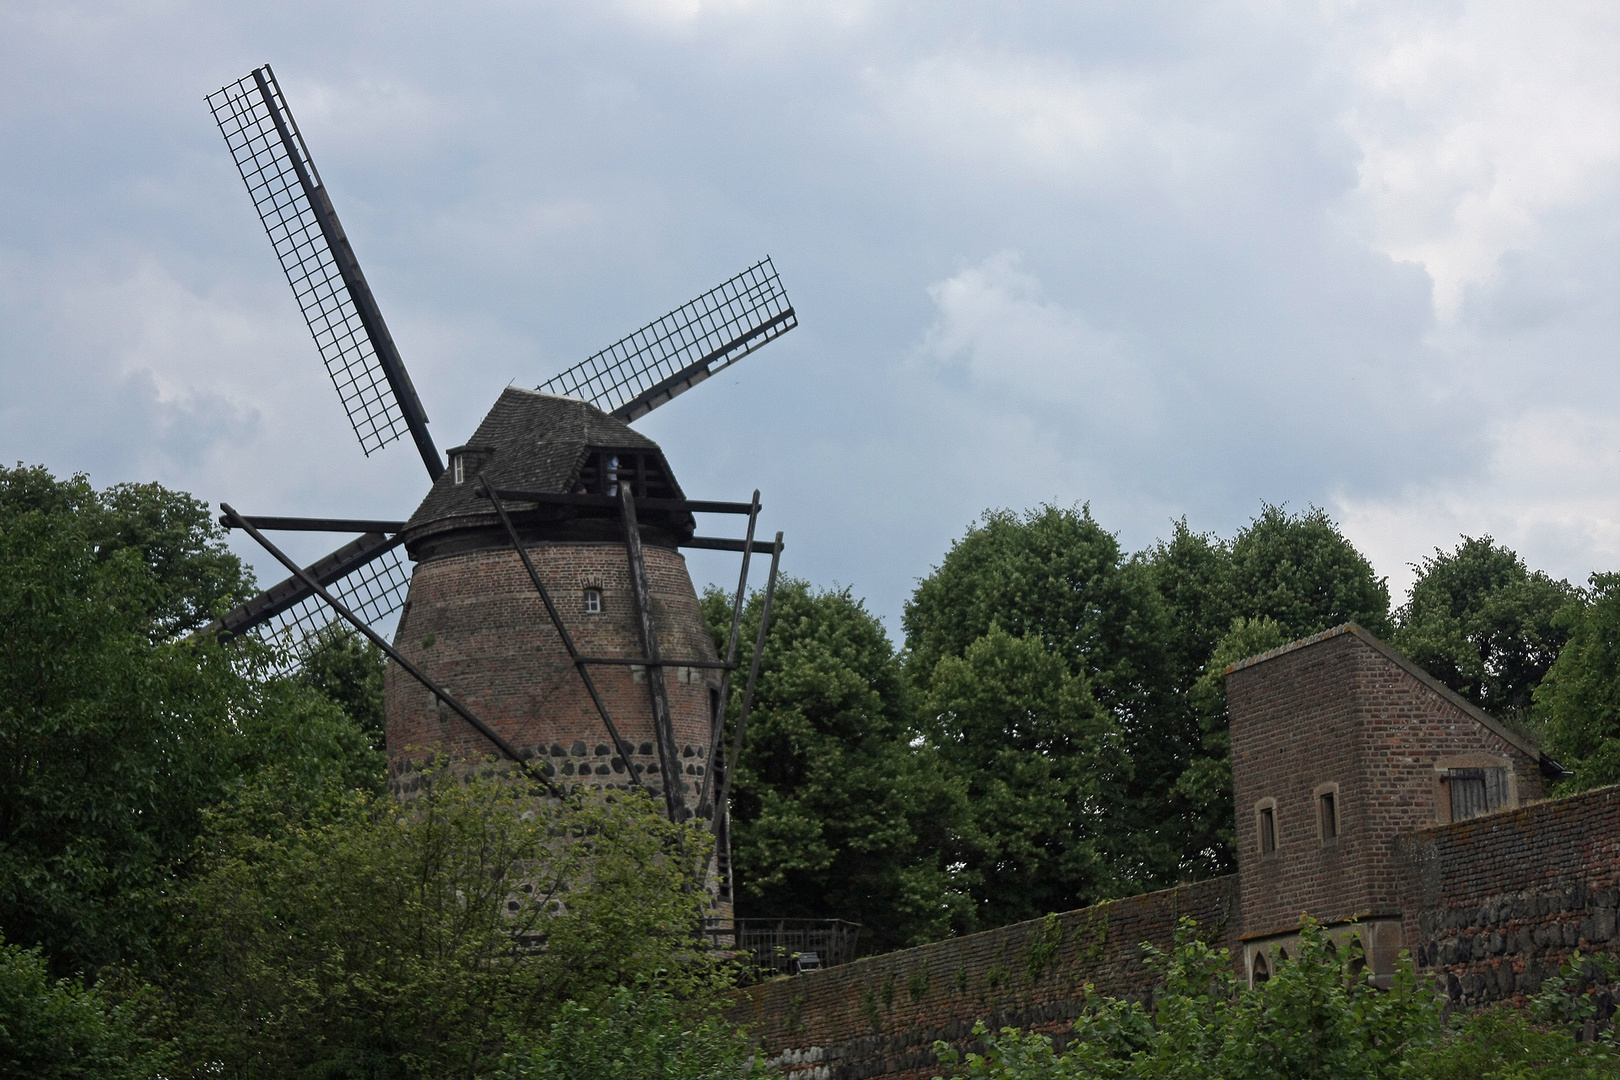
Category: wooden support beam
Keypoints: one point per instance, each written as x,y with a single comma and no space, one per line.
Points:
724,543
610,502
669,761
297,524
741,736
619,743
388,650
717,723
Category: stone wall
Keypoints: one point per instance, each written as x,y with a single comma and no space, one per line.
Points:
879,1017
1495,904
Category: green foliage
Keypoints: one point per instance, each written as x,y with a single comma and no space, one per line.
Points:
1314,1019
834,811
1580,696
1300,571
1203,791
1485,625
1041,761
192,575
1039,620
1282,577
629,1036
368,937
1192,574
1570,998
1505,1044
348,670
1043,946
1055,574
113,736
1318,1018
1048,605
62,1030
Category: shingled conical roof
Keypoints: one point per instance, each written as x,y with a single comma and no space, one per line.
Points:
531,442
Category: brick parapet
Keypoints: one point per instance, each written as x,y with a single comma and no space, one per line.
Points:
1496,904
880,1016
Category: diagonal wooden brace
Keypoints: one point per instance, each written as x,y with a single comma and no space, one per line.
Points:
669,761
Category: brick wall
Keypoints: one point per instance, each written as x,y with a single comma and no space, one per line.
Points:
474,623
879,1017
1343,708
1497,903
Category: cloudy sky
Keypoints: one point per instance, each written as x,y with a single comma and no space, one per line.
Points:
1165,258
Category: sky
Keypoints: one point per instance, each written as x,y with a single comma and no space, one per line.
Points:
1164,259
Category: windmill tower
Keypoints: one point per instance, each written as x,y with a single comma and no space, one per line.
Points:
549,616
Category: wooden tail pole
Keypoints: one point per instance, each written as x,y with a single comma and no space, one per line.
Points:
376,639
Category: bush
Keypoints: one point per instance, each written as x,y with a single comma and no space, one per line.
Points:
631,1035
370,937
60,1030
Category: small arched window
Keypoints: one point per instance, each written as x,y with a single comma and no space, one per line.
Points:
1328,823
593,601
1265,825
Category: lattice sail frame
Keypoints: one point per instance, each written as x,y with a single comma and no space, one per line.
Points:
373,591
670,355
247,111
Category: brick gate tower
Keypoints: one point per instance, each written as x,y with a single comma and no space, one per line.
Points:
601,518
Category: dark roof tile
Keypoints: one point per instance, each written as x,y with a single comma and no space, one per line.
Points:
533,442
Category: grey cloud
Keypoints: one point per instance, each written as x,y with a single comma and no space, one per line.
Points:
1209,305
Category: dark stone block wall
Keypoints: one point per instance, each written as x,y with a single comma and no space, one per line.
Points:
1495,904
879,1017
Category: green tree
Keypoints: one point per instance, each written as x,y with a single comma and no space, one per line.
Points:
114,736
837,810
1282,577
193,574
1301,572
364,937
1057,575
58,1029
1042,762
1482,623
1192,573
348,670
1579,699
1203,792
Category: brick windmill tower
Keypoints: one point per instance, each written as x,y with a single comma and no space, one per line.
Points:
550,617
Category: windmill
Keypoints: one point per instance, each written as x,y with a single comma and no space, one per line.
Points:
549,616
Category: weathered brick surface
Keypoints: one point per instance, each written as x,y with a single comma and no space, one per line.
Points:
474,623
1341,708
879,1017
1497,903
